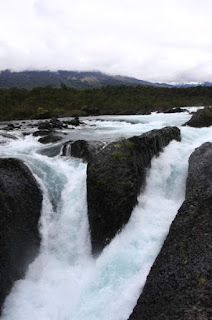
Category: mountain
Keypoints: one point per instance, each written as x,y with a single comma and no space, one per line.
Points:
74,79
79,80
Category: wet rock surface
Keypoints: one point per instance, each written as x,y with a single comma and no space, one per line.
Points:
54,123
11,127
201,118
75,122
82,149
41,133
115,177
20,207
51,138
179,285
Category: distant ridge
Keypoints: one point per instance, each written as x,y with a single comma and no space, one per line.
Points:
78,80
73,79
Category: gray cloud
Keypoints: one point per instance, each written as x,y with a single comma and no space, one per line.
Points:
155,40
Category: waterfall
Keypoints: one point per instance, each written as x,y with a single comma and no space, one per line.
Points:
65,282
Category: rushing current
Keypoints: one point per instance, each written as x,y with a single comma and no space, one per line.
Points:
65,282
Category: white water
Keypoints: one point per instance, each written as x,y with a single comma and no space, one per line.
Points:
65,282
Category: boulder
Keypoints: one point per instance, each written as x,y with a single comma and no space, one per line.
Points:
75,122
82,149
175,110
179,285
51,138
115,176
57,124
40,133
201,118
44,125
54,123
20,207
9,127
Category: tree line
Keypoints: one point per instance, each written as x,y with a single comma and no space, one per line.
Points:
16,103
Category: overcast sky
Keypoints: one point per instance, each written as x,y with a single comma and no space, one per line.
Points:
155,40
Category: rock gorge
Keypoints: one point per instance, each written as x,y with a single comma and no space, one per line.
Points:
179,285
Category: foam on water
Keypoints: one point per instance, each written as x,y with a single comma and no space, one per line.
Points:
65,282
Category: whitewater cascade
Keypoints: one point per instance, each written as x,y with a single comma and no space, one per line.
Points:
65,282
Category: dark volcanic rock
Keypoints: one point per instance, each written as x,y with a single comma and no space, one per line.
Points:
44,125
54,123
40,133
114,179
82,149
9,127
175,110
20,207
50,139
199,181
57,124
179,285
75,122
201,118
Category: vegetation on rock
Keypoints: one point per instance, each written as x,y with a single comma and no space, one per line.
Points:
115,176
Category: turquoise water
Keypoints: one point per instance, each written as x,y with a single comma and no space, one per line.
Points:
65,282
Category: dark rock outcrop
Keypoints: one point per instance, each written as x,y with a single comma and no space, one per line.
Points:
44,125
115,177
179,285
51,138
75,122
11,126
20,207
82,149
54,123
201,118
175,110
41,133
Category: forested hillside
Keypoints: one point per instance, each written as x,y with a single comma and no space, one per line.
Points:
21,103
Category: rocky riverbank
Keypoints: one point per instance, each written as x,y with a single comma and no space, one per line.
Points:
179,285
20,208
